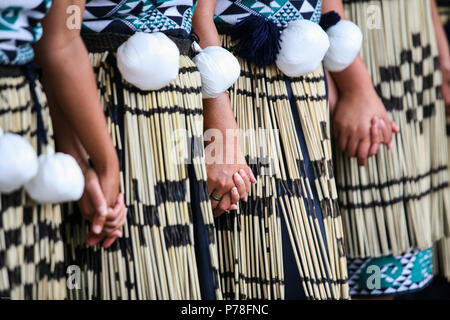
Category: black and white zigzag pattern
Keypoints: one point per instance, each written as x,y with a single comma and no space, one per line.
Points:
279,11
129,16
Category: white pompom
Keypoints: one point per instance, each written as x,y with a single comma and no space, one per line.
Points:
18,162
303,46
149,61
345,43
219,70
59,179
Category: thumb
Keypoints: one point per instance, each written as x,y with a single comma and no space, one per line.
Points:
97,197
99,203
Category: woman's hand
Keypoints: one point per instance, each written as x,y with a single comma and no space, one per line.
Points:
228,181
106,220
223,156
361,123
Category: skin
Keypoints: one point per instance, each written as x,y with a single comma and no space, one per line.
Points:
77,116
360,120
444,56
229,181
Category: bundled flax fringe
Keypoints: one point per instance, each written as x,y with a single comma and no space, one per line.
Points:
401,198
155,259
250,241
31,248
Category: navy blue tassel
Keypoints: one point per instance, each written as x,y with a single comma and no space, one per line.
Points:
257,40
329,19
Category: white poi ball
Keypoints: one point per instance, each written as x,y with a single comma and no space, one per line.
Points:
219,70
303,46
59,179
148,60
18,162
345,43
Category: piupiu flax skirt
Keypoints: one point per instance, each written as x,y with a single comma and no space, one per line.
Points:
398,204
401,199
286,241
168,247
31,248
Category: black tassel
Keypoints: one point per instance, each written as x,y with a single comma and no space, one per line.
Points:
257,40
329,19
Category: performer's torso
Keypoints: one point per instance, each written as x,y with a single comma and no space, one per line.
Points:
19,27
130,16
279,11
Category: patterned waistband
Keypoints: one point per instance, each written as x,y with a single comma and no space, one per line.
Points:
223,28
106,41
11,71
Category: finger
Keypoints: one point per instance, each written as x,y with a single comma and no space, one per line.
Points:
234,196
375,137
343,141
95,192
363,152
119,221
109,241
225,203
114,213
387,133
374,149
110,232
215,203
217,212
246,179
240,186
97,223
395,127
352,146
92,239
251,175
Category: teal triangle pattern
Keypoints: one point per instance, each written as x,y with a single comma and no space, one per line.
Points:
279,11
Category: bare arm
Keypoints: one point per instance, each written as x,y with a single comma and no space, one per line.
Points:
218,115
69,76
358,108
79,123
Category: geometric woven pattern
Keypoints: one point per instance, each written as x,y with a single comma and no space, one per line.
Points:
279,11
389,275
19,27
130,16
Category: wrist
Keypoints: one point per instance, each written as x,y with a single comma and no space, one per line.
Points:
445,68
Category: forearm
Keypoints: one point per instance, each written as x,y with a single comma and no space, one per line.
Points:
70,80
334,5
217,112
203,23
66,139
356,76
443,46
